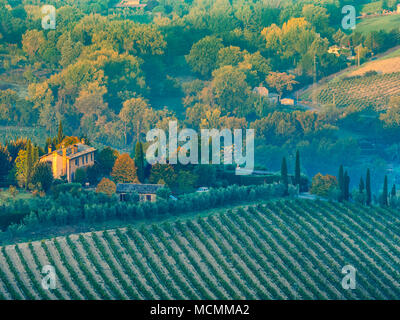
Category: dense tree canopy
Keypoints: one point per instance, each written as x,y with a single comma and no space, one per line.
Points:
112,74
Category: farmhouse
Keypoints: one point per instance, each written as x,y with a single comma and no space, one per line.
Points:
66,160
287,102
264,92
334,50
147,192
273,97
130,4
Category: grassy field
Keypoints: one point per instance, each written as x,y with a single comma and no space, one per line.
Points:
393,54
292,249
36,134
5,194
386,23
372,7
386,65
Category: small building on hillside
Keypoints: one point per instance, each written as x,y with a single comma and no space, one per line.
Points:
287,102
264,92
130,4
273,97
146,192
66,160
334,50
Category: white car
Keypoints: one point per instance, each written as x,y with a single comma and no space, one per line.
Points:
202,189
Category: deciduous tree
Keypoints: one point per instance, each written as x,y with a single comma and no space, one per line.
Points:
32,42
281,81
203,55
106,186
323,185
124,170
164,172
137,116
231,90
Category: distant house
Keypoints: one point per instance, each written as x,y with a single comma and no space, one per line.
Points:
146,192
262,91
273,97
334,50
130,4
287,102
66,160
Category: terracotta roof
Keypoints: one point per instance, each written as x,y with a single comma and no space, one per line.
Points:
138,188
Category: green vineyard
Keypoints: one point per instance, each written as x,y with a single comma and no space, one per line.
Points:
359,93
287,249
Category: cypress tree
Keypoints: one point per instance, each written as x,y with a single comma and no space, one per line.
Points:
368,187
35,155
297,170
284,176
393,192
49,143
29,163
361,185
139,161
341,183
60,134
385,192
346,195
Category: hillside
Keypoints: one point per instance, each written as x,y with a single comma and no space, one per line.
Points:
284,250
387,23
358,92
389,65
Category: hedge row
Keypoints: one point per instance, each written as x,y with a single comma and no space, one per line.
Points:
88,207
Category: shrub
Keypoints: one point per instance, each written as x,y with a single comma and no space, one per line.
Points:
13,191
72,205
163,193
323,185
80,176
42,174
73,188
106,186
